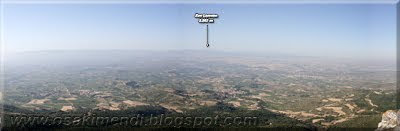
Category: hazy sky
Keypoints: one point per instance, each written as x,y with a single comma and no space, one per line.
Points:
342,30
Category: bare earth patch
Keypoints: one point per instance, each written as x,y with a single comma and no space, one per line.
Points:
317,120
296,114
171,107
336,109
370,102
67,108
207,103
335,99
350,107
38,101
235,103
134,103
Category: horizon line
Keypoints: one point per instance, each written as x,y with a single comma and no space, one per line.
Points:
199,2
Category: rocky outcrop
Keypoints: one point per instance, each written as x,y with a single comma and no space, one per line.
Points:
390,121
